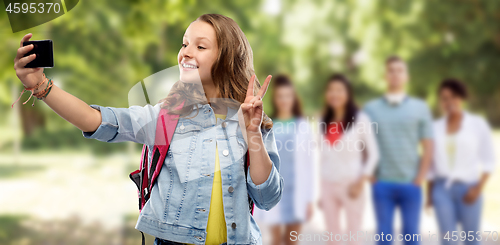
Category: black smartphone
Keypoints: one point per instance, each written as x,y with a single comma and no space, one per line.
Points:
44,54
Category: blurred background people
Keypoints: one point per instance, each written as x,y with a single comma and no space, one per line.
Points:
463,160
297,164
348,155
402,123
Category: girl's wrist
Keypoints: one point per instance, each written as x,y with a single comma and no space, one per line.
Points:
42,86
43,93
255,141
254,135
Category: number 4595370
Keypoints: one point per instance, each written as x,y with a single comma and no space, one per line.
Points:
40,8
470,236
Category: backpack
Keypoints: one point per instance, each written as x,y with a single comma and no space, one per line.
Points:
145,177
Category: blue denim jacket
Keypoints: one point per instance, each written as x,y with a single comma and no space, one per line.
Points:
180,200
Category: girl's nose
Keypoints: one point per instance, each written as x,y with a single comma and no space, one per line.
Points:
187,52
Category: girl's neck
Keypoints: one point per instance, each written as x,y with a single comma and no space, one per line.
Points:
339,114
284,115
210,90
212,97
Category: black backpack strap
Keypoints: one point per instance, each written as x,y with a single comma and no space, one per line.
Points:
246,163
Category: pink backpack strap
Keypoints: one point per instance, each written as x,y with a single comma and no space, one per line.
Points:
146,175
165,128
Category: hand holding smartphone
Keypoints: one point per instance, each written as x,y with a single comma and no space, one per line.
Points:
44,54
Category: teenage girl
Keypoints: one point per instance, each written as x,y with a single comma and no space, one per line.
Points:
349,154
201,194
293,138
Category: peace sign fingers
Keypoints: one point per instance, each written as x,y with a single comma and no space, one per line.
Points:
262,90
252,108
264,87
250,86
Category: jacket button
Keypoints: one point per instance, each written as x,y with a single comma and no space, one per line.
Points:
233,225
225,153
230,189
224,124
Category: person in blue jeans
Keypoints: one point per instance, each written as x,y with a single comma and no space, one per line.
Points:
463,161
400,123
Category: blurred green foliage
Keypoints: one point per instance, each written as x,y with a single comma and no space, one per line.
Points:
102,48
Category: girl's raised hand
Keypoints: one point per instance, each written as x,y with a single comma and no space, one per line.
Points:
253,108
28,76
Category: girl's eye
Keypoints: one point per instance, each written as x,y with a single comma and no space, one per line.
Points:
200,47
184,45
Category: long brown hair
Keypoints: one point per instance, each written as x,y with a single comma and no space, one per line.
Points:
230,72
284,81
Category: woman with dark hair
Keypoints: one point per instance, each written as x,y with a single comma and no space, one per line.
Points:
293,136
463,160
348,157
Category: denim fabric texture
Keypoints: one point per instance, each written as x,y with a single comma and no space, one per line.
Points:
180,200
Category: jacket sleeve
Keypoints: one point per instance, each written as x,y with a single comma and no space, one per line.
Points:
267,194
372,149
487,149
136,123
311,170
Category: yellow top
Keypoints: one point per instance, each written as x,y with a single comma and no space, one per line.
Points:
216,226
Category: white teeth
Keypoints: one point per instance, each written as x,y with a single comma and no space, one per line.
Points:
189,66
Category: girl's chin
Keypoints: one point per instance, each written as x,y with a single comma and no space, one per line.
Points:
190,78
190,75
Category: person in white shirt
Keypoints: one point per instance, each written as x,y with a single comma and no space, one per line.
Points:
348,156
463,160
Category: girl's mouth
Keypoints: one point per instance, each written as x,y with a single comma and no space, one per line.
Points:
189,66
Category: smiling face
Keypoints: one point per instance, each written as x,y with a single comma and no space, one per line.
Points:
198,53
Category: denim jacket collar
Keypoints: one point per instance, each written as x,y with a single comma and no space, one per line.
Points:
232,113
